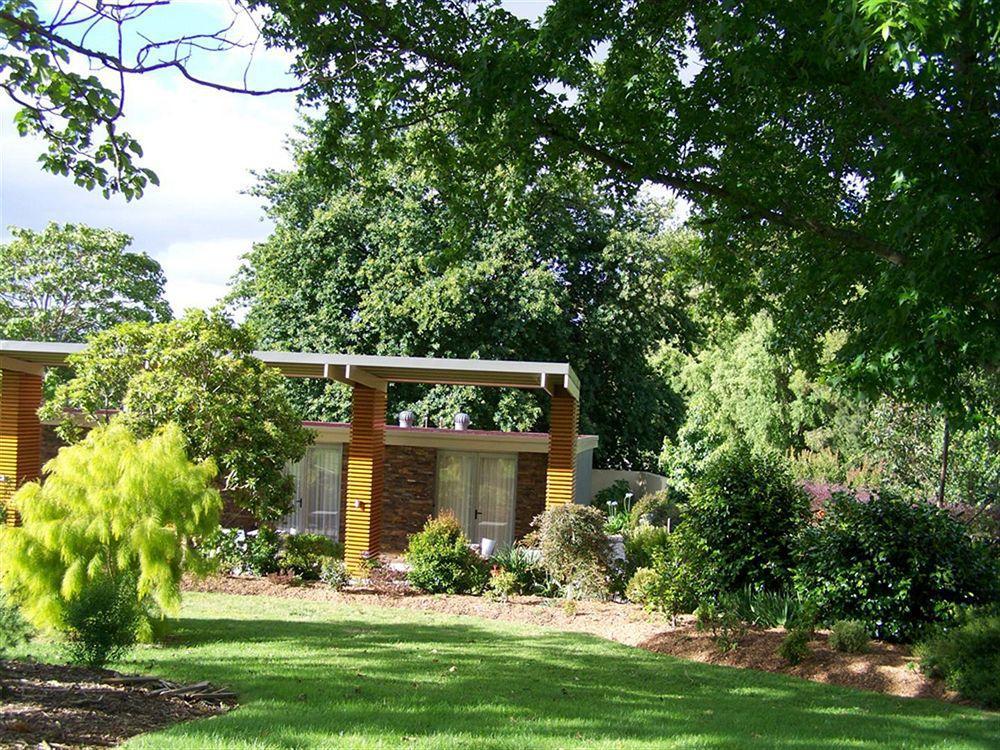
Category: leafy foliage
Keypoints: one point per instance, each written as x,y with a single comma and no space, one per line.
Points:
333,572
664,586
441,560
967,657
819,191
525,565
739,528
575,549
196,372
241,552
112,522
421,260
763,609
614,495
14,629
71,280
849,636
662,508
102,621
303,554
794,647
894,565
642,545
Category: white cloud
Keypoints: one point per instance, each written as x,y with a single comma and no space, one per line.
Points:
203,144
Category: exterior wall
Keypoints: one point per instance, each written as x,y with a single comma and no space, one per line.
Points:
410,491
531,471
410,476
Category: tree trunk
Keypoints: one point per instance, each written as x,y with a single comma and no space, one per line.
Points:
944,461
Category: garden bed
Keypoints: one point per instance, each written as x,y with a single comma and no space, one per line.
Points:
885,668
58,706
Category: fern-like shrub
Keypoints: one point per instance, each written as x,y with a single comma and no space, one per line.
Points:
115,514
575,550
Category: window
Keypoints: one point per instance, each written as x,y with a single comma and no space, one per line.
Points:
481,490
316,508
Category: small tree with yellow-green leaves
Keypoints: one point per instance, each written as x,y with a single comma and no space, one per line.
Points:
105,539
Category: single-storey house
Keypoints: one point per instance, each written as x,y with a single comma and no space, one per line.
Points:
367,483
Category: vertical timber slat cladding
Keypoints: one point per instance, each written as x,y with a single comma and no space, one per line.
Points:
365,475
20,434
560,479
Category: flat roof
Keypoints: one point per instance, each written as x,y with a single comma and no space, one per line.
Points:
372,371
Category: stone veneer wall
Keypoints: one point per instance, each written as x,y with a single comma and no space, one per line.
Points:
530,490
410,474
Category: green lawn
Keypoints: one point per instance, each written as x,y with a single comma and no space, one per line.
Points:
320,675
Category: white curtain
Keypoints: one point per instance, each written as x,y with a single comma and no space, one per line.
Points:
316,507
480,489
495,496
455,485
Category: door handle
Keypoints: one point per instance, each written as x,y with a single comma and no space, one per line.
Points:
300,502
476,513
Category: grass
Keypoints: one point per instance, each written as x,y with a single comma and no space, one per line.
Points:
312,674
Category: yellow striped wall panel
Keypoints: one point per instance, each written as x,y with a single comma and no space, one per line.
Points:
365,465
20,434
560,478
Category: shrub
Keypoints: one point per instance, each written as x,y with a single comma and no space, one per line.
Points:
794,647
661,508
893,565
302,554
661,587
525,565
575,549
849,636
739,527
333,572
14,630
114,514
725,625
502,584
643,544
102,622
967,657
240,552
764,609
441,560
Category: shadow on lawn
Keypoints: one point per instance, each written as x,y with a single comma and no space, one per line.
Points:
302,681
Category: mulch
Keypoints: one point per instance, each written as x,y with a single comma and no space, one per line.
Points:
885,668
59,706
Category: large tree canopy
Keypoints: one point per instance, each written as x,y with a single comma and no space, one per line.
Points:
71,280
842,157
199,373
410,260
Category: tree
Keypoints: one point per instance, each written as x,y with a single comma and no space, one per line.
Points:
71,280
195,372
842,157
419,261
115,514
78,115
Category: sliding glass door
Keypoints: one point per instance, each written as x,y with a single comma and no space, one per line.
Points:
480,489
316,508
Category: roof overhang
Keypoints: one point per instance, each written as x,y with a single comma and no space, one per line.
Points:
485,441
371,371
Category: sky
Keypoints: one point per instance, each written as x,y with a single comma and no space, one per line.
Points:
203,144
